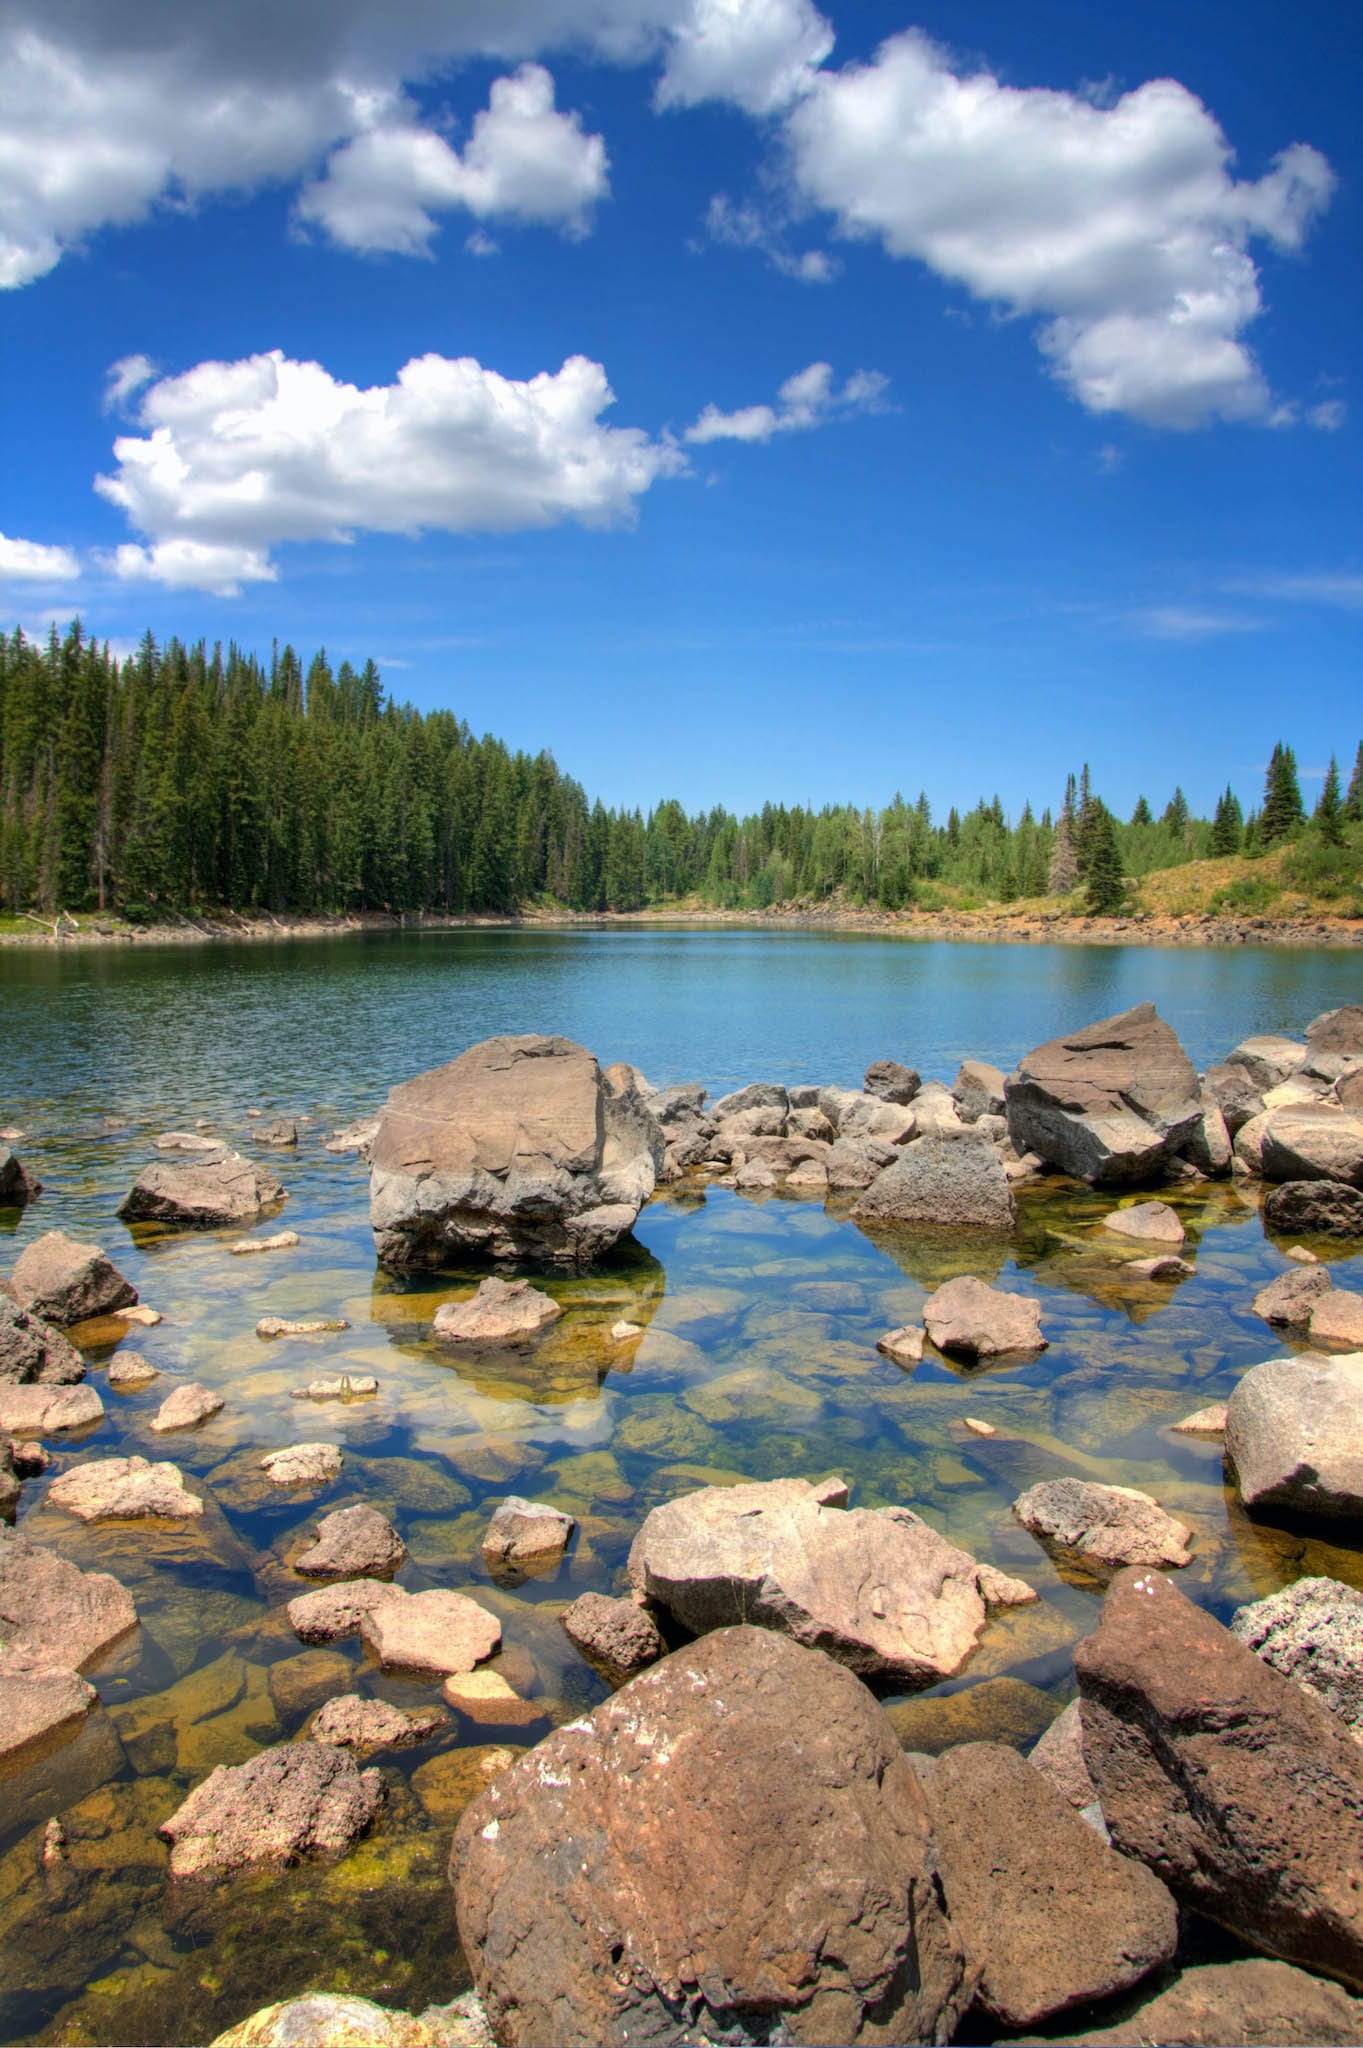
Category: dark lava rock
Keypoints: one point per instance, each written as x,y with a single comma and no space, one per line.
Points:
33,1351
297,1799
618,1636
891,1081
1314,1208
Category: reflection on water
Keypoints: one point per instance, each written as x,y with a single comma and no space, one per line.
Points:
757,1359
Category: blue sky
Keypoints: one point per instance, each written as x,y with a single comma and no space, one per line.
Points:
985,379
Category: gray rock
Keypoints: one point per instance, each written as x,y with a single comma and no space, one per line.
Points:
1101,1528
942,1183
978,1090
201,1194
1294,1434
891,1081
1313,1633
758,1095
1110,1104
1314,1142
1338,1031
854,1163
1289,1300
516,1150
1208,1145
303,1465
969,1318
296,1800
1235,1094
1314,1208
1269,1060
33,1351
282,1132
65,1282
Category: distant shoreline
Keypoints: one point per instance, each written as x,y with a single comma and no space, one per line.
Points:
967,927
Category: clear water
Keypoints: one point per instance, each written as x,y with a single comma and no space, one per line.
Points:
759,1359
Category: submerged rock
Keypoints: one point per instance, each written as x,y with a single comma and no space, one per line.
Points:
979,1321
352,1722
618,1636
360,1386
1110,1104
516,1150
1313,1633
501,1312
186,1408
587,1914
1153,1222
65,1282
293,1326
942,1183
130,1369
1106,1527
1209,1421
1241,1791
353,1543
298,1799
878,1589
40,1702
201,1194
1294,1434
282,1241
437,1632
303,1465
33,1351
1049,1916
109,1489
39,1410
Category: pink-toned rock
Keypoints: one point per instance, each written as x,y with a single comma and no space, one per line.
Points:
1209,1421
40,1703
904,1346
65,1282
439,1632
39,1410
303,1465
353,1543
525,1536
118,1489
54,1612
618,1636
201,1194
1337,1318
185,1408
350,1721
485,1696
1102,1527
331,1613
978,1321
1152,1222
296,1800
501,1312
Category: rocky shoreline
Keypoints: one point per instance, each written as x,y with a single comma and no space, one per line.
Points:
738,1845
1001,927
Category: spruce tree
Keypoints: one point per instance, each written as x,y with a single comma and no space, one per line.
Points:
1353,801
1142,814
1328,817
1228,824
1175,819
1105,890
1282,811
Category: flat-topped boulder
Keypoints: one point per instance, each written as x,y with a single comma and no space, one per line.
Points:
1337,1318
1235,1786
517,1150
202,1193
942,1184
332,1613
1269,1059
969,1318
1313,1141
65,1282
35,1351
437,1632
303,1465
1313,1633
42,1702
1254,2003
40,1410
501,1312
124,1489
1102,1528
298,1799
1294,1434
353,1543
877,1588
52,1610
344,1386
796,1902
1111,1104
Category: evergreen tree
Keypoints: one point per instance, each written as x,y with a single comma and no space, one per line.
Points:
1142,814
1353,801
1105,887
1228,824
1282,810
1328,817
1175,819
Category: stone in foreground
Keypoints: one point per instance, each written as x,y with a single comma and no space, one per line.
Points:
124,1489
1313,1633
38,1410
326,2020
1253,2004
1151,1222
878,1589
942,1184
1290,1299
618,1636
1110,1104
525,1536
352,1722
501,1312
334,1612
201,1194
1101,1528
974,1320
296,1800
1235,1786
437,1632
589,1915
186,1408
52,1610
41,1703
303,1465
65,1282
1049,1916
32,1350
517,1150
353,1543
1294,1434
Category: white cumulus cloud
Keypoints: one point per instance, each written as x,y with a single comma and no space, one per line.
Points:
761,54
31,561
1120,228
808,399
238,457
524,161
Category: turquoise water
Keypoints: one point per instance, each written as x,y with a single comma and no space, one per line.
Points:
758,1359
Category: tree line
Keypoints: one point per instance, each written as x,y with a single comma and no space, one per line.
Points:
189,778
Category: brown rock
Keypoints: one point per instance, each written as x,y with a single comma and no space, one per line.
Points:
109,1489
1237,1788
300,1683
296,1326
588,1914
1254,2003
1152,1222
525,1536
438,1632
501,1312
1101,1528
41,1703
978,1090
334,1612
1338,1031
516,1150
185,1408
202,1194
1109,1104
17,1185
132,1370
53,1611
1313,1141
1166,1266
618,1636
446,1784
1290,1298
1337,1318
995,1710
977,1321
38,1410
1314,1208
353,1543
296,1800
32,1350
352,1722
891,1081
1049,1916
65,1282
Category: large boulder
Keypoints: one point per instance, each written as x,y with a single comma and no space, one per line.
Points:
1314,1142
1048,1914
732,1848
1235,1786
942,1183
17,1185
515,1150
438,1632
65,1282
969,1318
298,1799
1338,1031
1314,1208
1294,1434
32,1350
1110,1104
201,1194
51,1609
877,1588
1099,1529
1254,2003
1312,1632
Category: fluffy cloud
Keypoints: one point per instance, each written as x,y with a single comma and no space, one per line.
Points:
807,399
524,161
29,561
1120,227
238,457
109,106
750,227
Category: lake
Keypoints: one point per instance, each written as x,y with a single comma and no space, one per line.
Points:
758,1359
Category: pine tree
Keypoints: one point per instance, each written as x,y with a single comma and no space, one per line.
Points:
1175,819
1064,868
1228,824
1282,811
1142,814
1353,802
1328,817
1105,890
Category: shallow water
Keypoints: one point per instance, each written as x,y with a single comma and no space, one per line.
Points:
758,1360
